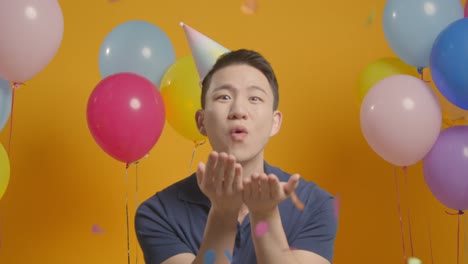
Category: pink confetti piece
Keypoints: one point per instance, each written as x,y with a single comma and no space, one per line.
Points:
96,229
337,205
291,248
261,229
249,7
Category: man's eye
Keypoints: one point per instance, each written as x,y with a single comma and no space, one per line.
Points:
255,99
224,97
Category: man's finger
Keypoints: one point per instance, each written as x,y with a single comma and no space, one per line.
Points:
210,167
238,178
275,187
291,185
220,172
200,173
230,173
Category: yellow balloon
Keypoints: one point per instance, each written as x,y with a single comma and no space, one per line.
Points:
181,93
379,70
4,171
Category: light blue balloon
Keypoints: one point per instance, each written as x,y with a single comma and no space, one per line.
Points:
411,26
139,47
5,102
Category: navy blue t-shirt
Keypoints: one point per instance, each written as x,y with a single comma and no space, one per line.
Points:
173,222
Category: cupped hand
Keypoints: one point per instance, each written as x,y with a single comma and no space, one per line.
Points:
220,179
262,193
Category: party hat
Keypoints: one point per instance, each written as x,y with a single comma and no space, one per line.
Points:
205,51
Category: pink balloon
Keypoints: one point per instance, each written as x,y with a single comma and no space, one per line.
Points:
466,10
31,32
401,119
126,116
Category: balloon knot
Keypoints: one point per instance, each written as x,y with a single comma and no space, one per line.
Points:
16,85
420,70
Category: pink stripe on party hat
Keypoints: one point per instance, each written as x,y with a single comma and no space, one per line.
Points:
205,51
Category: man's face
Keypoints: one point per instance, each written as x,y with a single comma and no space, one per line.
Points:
238,117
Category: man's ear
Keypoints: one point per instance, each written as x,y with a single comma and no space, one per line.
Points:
200,119
277,120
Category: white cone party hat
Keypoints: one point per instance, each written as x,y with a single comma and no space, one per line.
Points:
205,51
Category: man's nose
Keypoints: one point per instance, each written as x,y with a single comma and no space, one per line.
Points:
238,110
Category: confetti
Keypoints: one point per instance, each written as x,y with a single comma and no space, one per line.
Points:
291,248
337,205
96,229
249,7
228,254
371,17
261,229
414,260
209,257
297,202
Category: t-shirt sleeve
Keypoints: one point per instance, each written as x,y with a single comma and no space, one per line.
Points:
319,231
155,234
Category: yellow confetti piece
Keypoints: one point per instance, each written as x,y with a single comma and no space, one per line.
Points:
414,260
297,202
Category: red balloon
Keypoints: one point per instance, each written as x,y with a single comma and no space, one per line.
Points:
126,116
466,10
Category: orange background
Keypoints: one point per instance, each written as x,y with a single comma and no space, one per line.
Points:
62,183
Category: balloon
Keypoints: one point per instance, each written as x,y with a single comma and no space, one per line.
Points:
380,69
139,47
31,33
5,102
411,27
126,116
4,171
181,92
445,168
449,63
466,10
401,119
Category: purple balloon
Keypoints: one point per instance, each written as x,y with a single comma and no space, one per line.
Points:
446,168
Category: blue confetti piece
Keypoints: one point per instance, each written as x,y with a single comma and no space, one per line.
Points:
209,257
228,254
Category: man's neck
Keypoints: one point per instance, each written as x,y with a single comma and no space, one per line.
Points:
255,165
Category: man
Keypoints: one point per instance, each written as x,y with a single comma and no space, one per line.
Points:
237,205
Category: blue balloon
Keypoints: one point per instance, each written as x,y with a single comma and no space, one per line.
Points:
449,63
138,47
5,102
411,26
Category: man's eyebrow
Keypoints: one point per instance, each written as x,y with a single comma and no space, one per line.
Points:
255,87
230,87
224,87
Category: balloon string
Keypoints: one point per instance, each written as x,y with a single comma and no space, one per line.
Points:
2,224
136,206
459,213
197,144
464,238
458,237
399,213
430,243
409,213
126,212
11,118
